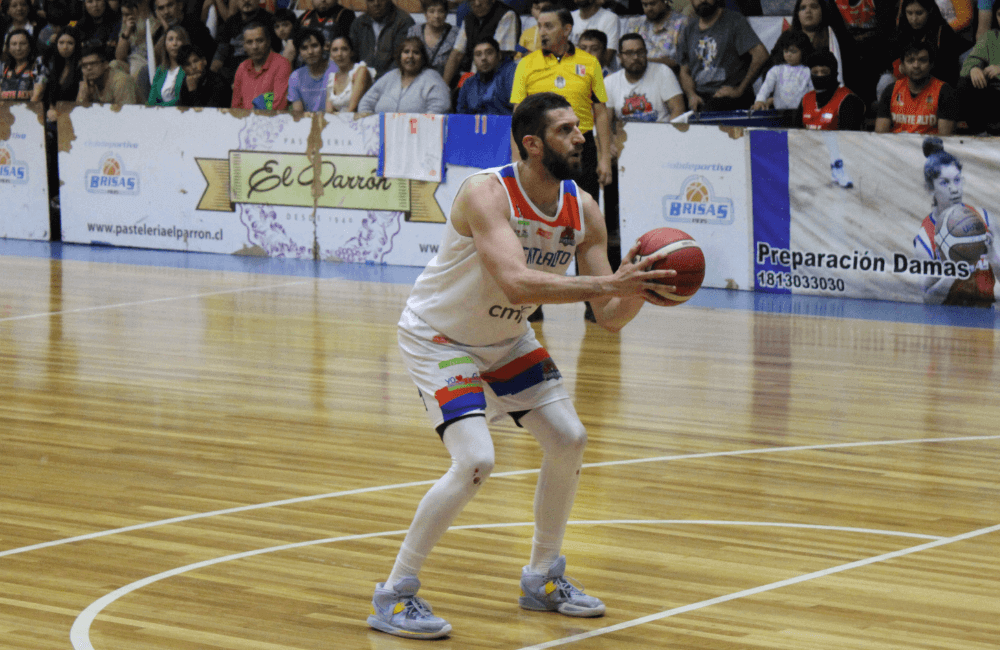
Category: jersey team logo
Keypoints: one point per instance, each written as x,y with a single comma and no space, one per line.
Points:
111,177
697,203
11,170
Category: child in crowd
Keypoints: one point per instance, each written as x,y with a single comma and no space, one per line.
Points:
286,24
786,84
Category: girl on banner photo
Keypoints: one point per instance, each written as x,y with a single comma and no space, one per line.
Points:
943,179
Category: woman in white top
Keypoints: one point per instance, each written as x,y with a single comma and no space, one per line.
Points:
166,85
351,80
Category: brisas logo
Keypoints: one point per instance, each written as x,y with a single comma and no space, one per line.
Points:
111,177
11,170
697,203
568,237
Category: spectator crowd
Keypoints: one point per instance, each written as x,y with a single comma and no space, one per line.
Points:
922,66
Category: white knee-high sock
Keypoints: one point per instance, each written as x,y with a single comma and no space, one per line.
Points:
558,430
471,448
832,145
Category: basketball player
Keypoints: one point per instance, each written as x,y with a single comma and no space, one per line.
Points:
466,342
943,179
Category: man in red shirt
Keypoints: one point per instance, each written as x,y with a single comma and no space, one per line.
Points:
262,80
919,103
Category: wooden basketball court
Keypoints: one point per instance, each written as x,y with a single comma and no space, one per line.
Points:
197,459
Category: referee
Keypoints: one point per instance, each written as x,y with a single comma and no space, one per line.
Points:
569,71
566,70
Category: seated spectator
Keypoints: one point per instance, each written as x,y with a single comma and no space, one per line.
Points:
919,103
719,78
660,28
230,52
595,43
921,20
825,28
170,13
979,86
829,106
488,91
330,18
411,87
486,18
350,81
56,20
642,91
22,75
17,14
529,41
307,84
99,23
437,35
286,24
202,87
588,15
131,46
377,48
868,23
261,81
785,84
102,83
166,85
64,76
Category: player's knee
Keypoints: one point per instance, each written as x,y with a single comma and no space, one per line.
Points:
476,466
574,438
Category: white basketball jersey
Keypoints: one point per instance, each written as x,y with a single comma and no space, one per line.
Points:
459,298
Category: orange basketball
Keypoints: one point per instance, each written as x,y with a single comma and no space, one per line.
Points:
685,257
961,234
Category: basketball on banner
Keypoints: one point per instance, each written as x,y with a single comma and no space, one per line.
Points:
961,234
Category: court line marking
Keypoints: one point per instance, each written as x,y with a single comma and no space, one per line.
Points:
758,590
80,631
151,301
495,475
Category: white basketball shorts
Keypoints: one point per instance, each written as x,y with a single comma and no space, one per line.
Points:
457,380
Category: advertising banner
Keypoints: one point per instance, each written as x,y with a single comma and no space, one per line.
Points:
912,226
695,180
224,181
24,189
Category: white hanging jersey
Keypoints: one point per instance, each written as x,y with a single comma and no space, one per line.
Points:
459,298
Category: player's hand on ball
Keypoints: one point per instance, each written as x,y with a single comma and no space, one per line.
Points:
638,277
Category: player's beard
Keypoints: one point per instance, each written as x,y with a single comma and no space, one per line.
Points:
560,167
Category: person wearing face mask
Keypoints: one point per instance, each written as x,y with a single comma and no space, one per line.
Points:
830,107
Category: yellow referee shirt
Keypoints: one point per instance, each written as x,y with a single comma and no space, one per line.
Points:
577,77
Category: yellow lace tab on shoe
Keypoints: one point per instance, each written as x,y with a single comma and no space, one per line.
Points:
398,608
550,587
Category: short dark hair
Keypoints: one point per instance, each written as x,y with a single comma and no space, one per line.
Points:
488,39
824,58
253,24
794,38
633,36
186,51
531,117
564,15
916,46
302,35
595,35
284,15
91,48
427,4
